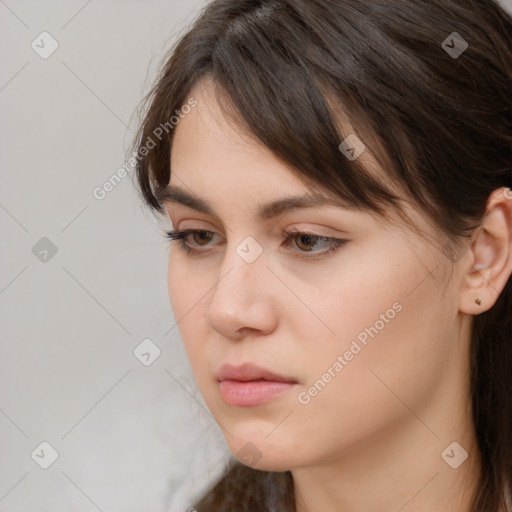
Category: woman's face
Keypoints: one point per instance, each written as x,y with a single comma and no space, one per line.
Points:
363,335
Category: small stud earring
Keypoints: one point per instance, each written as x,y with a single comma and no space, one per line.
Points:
478,301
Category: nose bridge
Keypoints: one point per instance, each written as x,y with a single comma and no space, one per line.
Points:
239,298
242,268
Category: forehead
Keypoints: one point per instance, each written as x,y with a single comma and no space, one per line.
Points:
207,144
206,132
212,153
214,161
208,128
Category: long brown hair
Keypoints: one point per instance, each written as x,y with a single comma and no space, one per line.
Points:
427,84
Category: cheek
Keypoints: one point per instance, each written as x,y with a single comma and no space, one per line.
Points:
391,333
176,285
187,302
397,371
186,287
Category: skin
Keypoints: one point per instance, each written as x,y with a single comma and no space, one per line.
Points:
372,438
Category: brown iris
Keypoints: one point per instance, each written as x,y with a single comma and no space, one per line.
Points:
309,242
202,236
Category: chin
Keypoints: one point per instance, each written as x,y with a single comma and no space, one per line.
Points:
263,454
274,464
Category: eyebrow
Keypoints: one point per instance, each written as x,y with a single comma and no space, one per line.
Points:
266,211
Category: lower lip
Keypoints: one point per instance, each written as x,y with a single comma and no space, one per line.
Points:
254,392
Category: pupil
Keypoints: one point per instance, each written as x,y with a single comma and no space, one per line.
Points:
306,239
202,236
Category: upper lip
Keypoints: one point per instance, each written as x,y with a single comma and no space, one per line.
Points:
248,372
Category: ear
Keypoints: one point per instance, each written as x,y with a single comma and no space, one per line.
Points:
490,265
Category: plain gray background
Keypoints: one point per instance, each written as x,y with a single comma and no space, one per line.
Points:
129,437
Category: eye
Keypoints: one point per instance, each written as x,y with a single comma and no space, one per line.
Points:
305,242
308,242
201,237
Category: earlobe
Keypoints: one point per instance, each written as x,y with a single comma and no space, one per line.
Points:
475,297
491,264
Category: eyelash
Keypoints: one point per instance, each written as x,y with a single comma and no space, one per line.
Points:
337,243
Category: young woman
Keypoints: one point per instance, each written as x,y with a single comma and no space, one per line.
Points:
337,175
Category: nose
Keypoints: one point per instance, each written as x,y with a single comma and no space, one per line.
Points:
243,302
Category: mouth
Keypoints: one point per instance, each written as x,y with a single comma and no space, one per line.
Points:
250,385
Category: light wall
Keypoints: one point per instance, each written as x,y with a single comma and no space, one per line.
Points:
129,437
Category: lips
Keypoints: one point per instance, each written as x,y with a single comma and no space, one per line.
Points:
250,372
250,385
